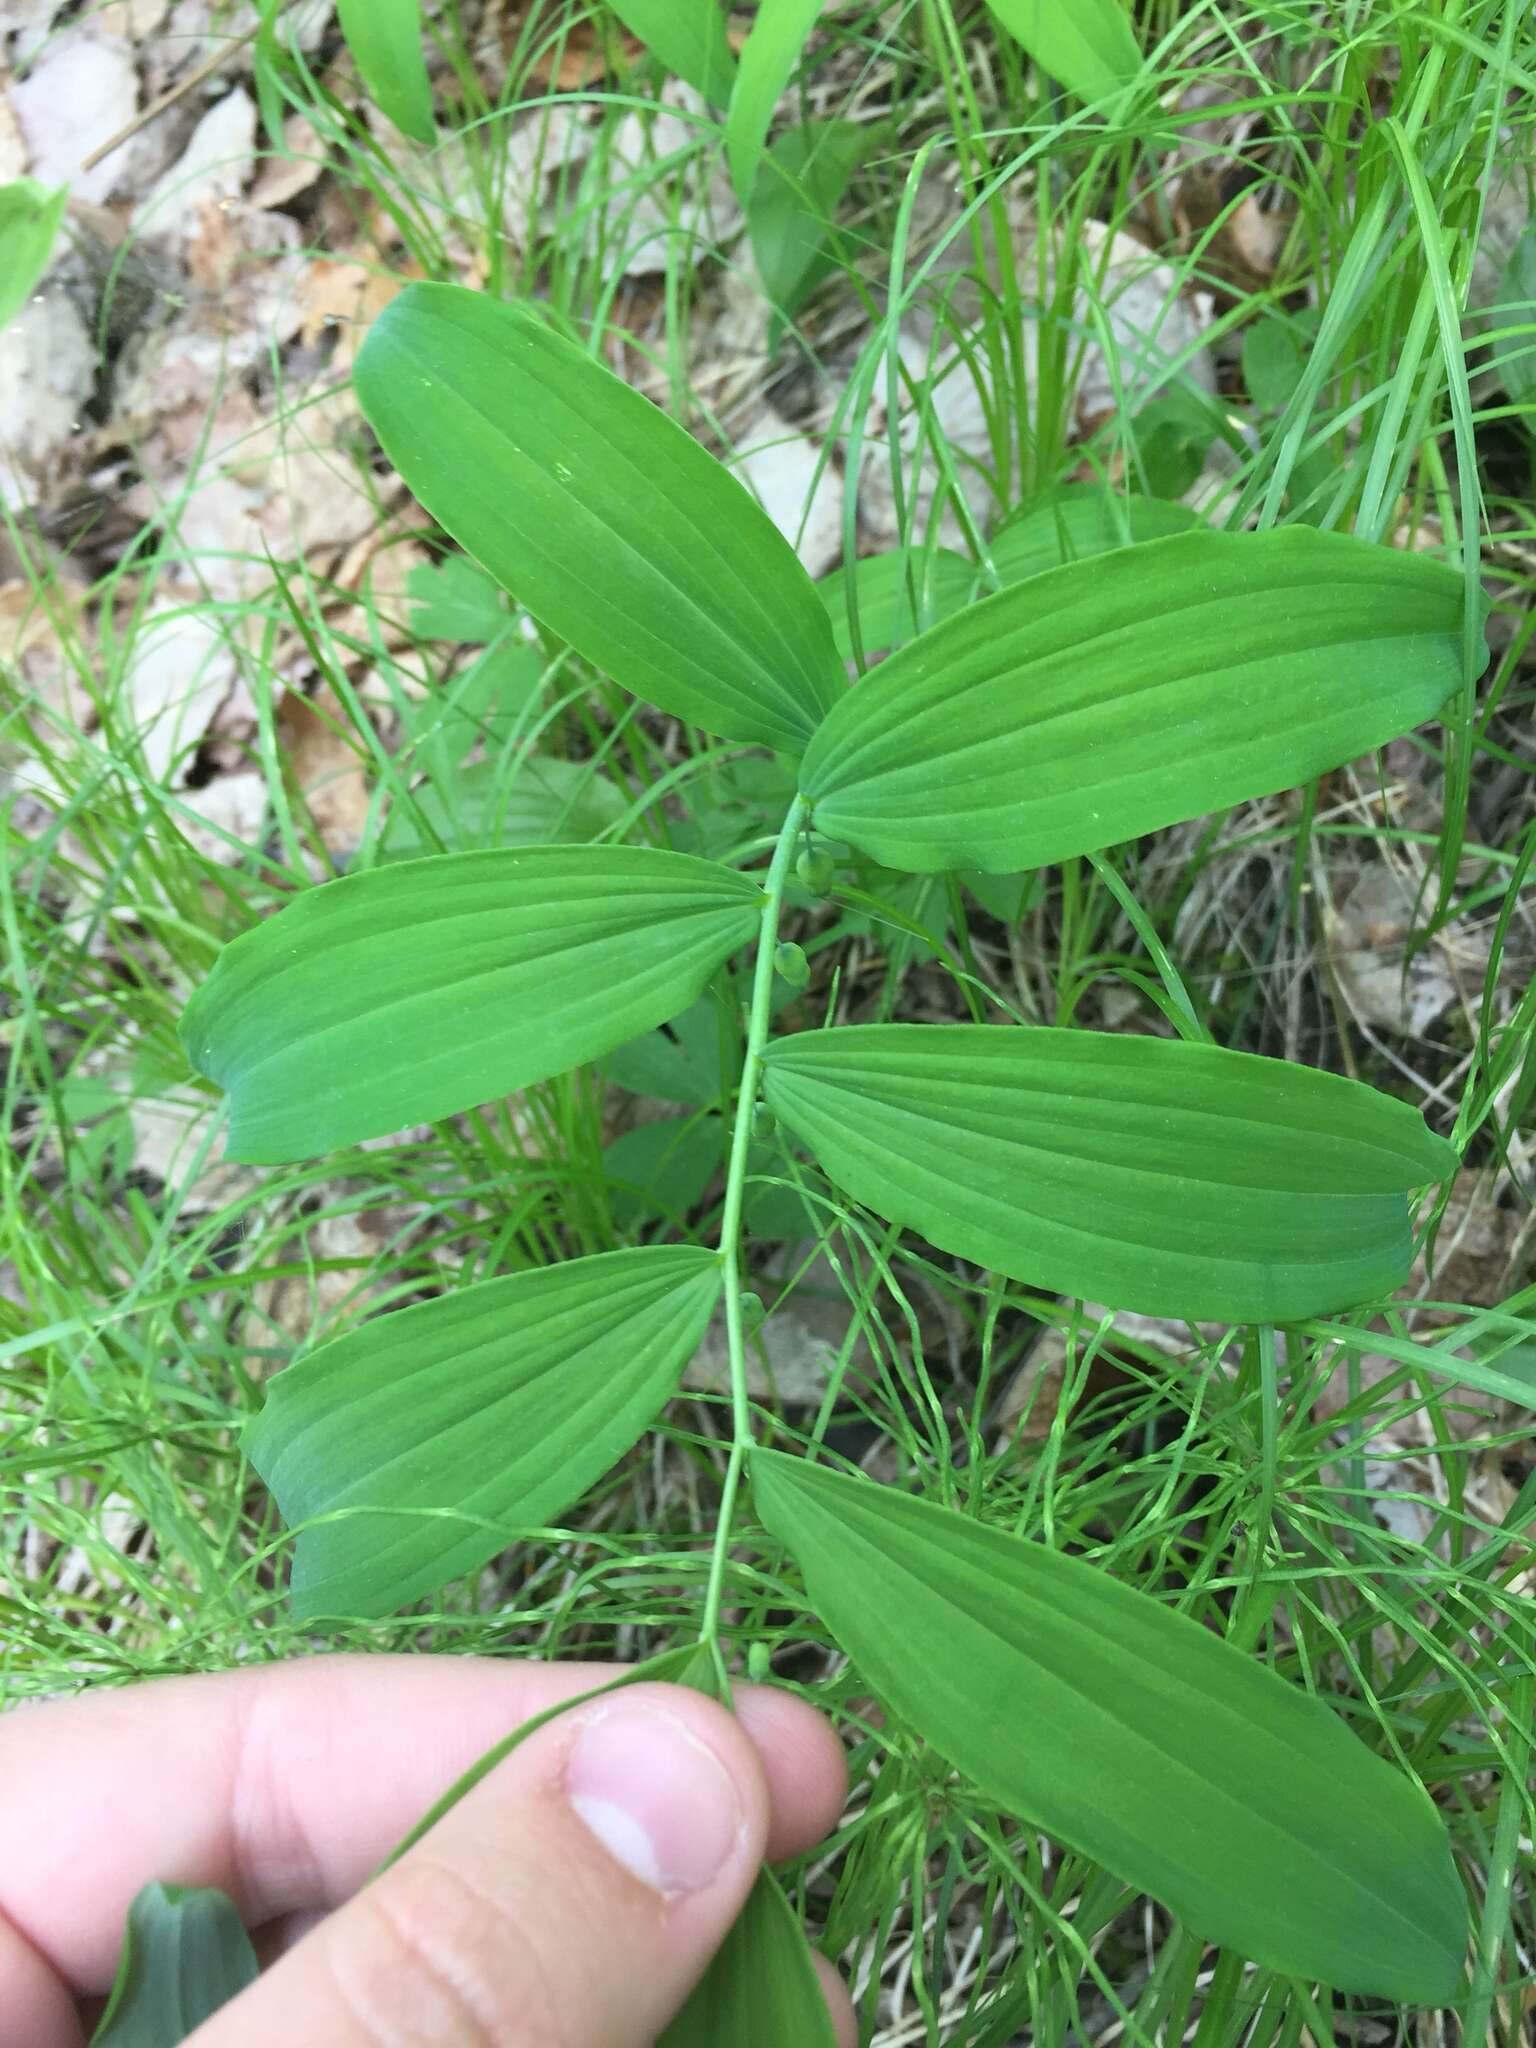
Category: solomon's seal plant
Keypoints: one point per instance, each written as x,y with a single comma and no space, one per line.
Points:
1141,685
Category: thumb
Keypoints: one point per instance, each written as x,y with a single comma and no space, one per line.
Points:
573,1898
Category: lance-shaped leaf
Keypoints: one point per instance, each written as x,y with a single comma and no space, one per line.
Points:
689,38
185,1954
1118,695
1077,522
1133,1735
412,992
1172,1178
447,1427
385,38
1087,44
600,514
760,1990
768,60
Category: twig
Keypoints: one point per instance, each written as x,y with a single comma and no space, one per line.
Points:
169,98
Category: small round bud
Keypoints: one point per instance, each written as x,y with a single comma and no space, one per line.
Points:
764,1123
790,963
815,872
752,1311
759,1663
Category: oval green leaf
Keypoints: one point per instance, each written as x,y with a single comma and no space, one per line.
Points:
1150,1174
600,514
446,1427
385,38
760,1990
1124,693
413,992
1133,1735
1069,525
1087,44
1077,522
185,1953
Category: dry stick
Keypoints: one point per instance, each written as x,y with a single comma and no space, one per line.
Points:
169,98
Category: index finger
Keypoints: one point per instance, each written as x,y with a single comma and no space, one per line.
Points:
285,1785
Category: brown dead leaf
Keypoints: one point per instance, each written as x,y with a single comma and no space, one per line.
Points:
1026,1410
288,1310
33,646
13,149
281,179
563,63
325,767
346,296
1368,951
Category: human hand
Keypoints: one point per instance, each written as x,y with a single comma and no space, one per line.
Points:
572,1898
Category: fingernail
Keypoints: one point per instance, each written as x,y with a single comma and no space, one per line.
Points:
658,1799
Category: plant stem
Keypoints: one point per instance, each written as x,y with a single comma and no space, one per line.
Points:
730,1216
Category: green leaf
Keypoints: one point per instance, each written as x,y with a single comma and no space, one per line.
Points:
446,1427
1177,1179
1133,1735
1273,362
662,1168
689,38
768,59
453,600
681,1063
386,41
541,802
185,1954
1514,359
1068,525
1118,695
801,180
760,1990
30,216
882,588
1078,522
611,524
413,992
1087,44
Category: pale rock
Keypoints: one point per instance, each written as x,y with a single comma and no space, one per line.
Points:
47,373
29,22
541,144
195,30
181,671
655,213
1157,329
81,91
230,814
1125,292
780,468
309,470
212,168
